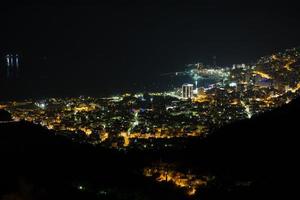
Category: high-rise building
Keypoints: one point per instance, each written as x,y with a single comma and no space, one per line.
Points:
240,66
187,91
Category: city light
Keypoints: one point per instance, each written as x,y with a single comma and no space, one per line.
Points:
126,120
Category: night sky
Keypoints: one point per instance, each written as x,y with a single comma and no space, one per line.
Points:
84,47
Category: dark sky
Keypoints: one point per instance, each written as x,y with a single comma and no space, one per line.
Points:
85,47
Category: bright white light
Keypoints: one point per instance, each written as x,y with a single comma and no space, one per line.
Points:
233,84
80,187
41,105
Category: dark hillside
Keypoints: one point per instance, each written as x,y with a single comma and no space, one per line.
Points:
260,153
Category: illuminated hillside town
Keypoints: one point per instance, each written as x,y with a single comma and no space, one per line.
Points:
164,172
154,120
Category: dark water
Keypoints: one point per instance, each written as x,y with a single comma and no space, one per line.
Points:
26,88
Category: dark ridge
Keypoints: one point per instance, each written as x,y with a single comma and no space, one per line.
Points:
38,164
5,116
262,150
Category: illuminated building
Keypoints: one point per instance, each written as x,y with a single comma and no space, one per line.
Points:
187,91
238,66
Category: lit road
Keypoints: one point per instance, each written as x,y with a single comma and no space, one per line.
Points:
247,109
135,122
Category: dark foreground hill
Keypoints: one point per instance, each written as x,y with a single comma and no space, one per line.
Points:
37,164
261,153
4,116
251,159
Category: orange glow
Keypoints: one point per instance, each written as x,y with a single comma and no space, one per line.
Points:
295,89
201,98
103,136
235,102
274,57
288,65
188,182
86,130
85,108
262,74
3,106
126,139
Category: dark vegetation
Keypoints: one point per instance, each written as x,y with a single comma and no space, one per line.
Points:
4,116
